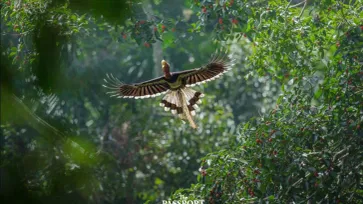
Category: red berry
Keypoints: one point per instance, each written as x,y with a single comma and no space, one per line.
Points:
146,44
337,44
258,141
203,171
204,9
173,30
220,21
361,27
234,21
124,36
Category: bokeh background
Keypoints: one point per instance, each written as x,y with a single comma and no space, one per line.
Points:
64,140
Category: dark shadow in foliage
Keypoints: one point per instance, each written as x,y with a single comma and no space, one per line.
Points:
47,68
114,11
6,73
49,43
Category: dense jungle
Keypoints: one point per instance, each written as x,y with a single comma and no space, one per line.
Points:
284,125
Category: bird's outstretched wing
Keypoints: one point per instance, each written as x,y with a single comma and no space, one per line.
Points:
147,89
214,69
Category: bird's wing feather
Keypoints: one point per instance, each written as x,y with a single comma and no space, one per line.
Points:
146,89
214,69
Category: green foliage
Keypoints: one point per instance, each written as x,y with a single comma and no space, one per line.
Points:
309,147
82,145
298,65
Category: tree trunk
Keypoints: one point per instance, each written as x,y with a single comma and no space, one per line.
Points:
157,49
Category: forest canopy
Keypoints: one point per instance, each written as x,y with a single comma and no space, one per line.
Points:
283,126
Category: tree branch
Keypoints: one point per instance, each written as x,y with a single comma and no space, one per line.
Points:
302,11
22,113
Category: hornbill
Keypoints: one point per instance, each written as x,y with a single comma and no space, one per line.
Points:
179,98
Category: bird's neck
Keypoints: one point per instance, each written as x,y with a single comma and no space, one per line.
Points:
167,73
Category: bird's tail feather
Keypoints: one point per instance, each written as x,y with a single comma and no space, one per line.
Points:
182,102
187,114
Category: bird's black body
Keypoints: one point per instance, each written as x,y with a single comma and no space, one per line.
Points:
173,78
179,98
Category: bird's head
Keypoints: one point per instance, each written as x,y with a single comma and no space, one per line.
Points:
165,66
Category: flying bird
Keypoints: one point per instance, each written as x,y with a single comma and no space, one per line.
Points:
179,97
